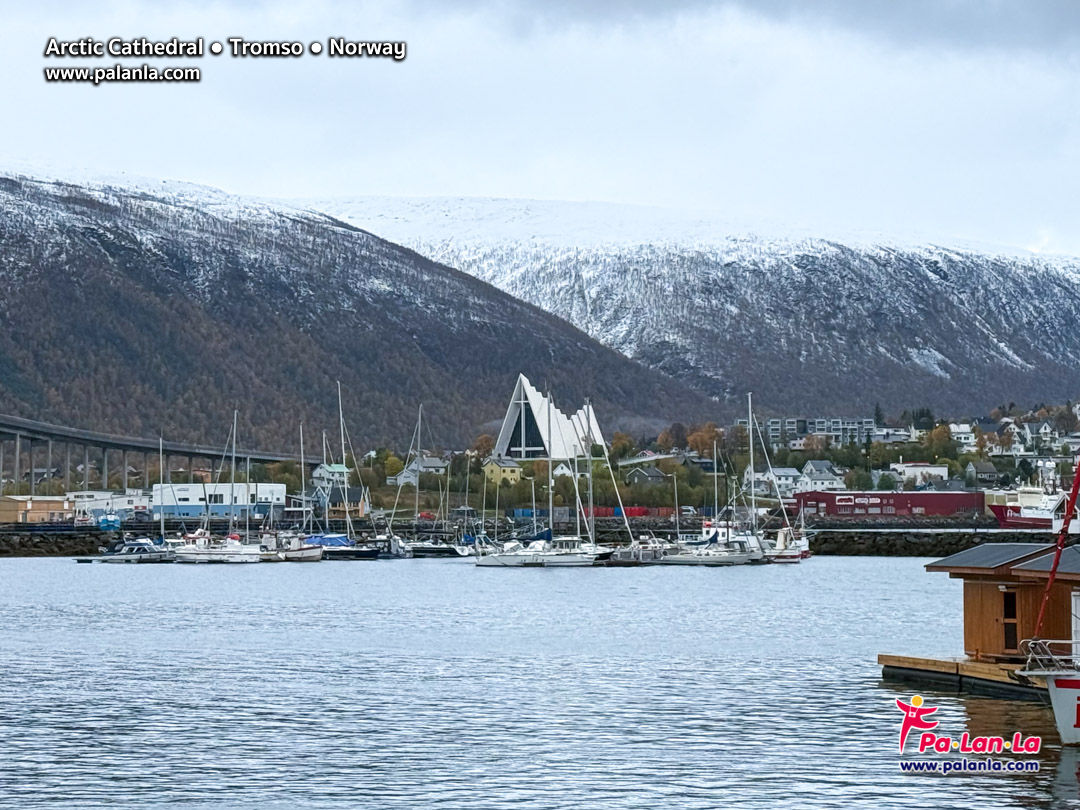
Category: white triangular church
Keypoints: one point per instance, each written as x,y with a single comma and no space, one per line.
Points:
524,432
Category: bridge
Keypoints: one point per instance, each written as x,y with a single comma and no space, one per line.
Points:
33,442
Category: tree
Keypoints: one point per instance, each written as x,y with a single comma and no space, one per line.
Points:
879,415
814,444
858,479
678,435
886,483
703,438
484,445
393,465
664,442
1006,440
622,445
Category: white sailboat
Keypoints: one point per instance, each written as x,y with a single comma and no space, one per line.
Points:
202,547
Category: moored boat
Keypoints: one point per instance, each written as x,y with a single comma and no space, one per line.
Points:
138,550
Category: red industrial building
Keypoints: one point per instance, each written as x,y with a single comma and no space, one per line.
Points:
889,503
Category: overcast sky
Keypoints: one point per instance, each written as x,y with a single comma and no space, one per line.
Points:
951,118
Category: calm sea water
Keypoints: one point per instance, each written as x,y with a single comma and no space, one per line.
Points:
433,684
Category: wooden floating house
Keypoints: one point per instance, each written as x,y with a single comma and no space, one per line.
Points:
1004,585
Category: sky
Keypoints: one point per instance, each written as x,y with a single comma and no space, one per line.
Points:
957,119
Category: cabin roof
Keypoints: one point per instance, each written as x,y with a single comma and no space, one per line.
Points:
1070,562
988,556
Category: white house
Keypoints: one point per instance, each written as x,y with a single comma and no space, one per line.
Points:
425,465
785,479
813,480
330,476
919,472
780,481
964,435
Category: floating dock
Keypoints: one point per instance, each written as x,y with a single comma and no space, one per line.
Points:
989,679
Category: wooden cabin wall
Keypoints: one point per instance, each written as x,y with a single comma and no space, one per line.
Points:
984,632
1057,623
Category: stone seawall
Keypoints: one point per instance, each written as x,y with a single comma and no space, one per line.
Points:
911,543
50,544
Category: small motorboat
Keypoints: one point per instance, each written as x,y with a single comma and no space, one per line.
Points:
438,548
341,547
289,547
203,548
138,550
562,552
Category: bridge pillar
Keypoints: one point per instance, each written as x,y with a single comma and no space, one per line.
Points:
2,443
124,459
48,462
18,451
67,467
33,477
85,467
190,468
104,468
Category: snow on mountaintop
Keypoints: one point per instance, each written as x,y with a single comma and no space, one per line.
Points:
809,321
426,220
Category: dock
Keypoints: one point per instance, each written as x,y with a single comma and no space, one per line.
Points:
962,674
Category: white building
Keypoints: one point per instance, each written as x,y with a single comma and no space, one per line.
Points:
813,480
330,476
217,500
524,432
426,465
919,472
963,433
95,503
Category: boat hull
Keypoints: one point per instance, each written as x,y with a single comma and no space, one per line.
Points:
349,553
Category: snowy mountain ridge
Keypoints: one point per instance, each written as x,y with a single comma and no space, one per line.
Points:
808,323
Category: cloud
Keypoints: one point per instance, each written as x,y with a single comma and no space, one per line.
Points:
837,116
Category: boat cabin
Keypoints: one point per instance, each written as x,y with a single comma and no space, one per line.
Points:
1004,585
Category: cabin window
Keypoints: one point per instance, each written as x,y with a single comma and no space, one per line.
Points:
1010,605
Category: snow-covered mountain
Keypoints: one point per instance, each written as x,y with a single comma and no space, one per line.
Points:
810,324
148,305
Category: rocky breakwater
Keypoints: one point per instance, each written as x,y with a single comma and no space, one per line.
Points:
30,543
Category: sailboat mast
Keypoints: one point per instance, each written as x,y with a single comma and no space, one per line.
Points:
715,486
589,456
551,462
345,477
303,483
750,437
247,499
577,511
161,466
416,494
232,478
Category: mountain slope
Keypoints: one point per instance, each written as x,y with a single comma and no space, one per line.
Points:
811,325
162,307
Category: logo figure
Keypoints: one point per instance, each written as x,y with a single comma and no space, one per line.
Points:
915,715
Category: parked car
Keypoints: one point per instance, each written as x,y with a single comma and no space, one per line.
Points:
688,511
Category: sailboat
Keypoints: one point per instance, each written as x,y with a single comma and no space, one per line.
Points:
336,546
201,547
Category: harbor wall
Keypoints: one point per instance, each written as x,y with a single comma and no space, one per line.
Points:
925,543
50,544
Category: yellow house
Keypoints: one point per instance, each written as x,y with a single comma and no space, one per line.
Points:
35,509
497,470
